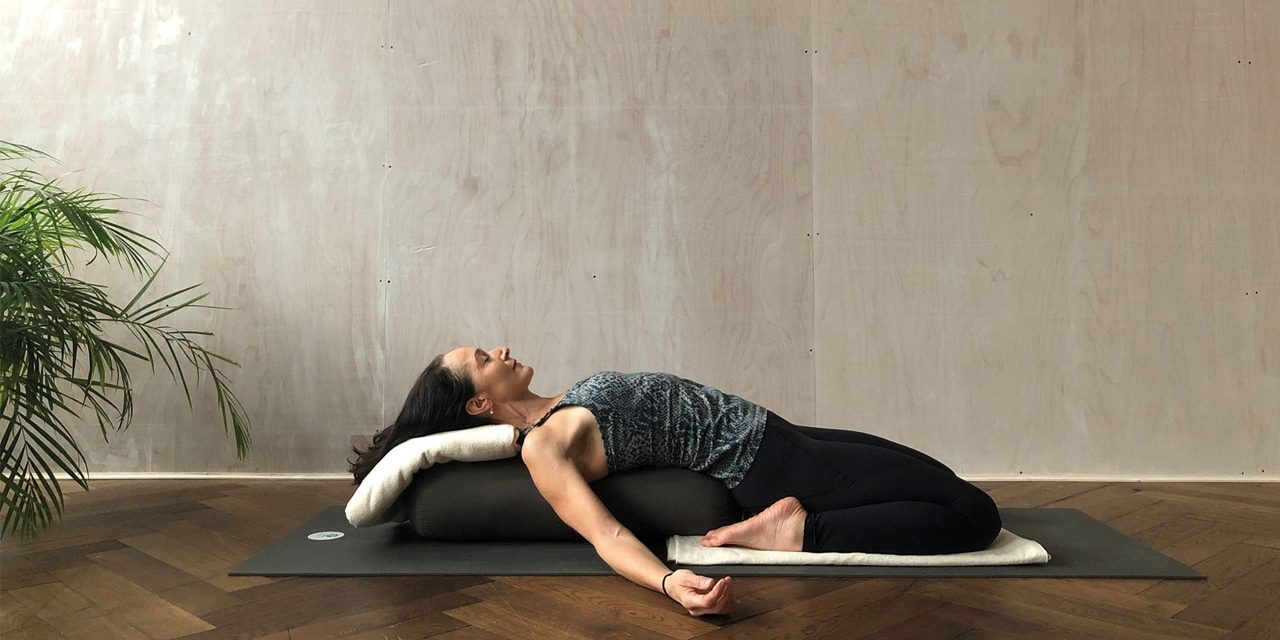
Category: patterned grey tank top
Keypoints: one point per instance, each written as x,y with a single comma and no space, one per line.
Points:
663,420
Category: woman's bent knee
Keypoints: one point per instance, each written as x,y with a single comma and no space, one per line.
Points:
983,518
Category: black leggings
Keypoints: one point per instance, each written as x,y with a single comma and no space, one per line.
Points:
865,493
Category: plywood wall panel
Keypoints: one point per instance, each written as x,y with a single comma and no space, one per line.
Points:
263,163
475,250
1034,237
1065,184
1255,343
619,246
99,123
935,282
1165,161
658,58
287,234
732,271
480,183
707,10
692,223
461,54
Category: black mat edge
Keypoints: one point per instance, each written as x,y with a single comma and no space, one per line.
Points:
403,534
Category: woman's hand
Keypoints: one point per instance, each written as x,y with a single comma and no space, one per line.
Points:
700,595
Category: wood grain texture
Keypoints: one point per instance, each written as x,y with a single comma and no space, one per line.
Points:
153,585
1027,237
1035,224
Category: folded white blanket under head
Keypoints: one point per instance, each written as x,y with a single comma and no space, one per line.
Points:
1008,548
376,495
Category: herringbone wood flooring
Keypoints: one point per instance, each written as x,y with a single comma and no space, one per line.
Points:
149,558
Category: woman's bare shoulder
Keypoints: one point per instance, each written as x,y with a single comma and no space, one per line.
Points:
553,436
564,428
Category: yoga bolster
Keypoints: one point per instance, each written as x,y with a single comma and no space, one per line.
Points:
497,500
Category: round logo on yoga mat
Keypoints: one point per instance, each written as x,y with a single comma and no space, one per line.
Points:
326,535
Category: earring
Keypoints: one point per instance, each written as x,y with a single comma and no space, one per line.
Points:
491,411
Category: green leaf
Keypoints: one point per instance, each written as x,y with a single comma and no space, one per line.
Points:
49,322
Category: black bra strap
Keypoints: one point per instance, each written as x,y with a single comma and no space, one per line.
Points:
523,432
544,418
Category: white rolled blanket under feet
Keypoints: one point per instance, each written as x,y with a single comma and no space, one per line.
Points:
1007,548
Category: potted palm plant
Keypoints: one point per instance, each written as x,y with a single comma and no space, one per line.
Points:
50,323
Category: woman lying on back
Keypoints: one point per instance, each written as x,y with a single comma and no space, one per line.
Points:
809,488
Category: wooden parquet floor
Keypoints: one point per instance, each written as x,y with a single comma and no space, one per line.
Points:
148,559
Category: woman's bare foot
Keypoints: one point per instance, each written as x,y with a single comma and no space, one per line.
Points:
778,528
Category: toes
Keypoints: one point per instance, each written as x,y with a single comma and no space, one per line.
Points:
718,537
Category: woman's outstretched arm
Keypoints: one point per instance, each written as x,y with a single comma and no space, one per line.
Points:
564,488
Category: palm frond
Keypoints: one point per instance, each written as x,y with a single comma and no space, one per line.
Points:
51,323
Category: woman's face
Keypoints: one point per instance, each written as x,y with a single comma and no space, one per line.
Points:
498,376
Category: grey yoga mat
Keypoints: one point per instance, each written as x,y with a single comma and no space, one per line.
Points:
326,545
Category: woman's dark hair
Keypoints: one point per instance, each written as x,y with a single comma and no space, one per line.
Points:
436,403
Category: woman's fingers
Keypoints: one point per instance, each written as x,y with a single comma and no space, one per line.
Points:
710,601
715,599
726,597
